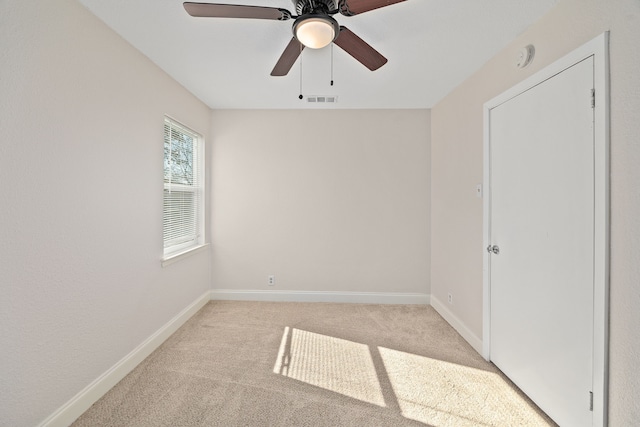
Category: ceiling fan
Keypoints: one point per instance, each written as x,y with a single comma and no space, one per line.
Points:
314,26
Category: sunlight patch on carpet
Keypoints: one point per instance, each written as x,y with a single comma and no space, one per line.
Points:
431,391
446,394
334,364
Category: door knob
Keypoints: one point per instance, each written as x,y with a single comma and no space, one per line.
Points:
495,249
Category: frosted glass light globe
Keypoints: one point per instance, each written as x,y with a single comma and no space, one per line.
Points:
315,33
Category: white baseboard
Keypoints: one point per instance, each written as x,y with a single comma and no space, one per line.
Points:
457,324
75,407
320,296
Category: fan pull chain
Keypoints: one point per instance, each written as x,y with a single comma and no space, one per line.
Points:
300,97
331,64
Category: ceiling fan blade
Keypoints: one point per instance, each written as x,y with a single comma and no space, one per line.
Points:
288,58
216,10
359,49
356,7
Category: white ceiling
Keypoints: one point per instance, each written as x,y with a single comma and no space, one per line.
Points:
432,46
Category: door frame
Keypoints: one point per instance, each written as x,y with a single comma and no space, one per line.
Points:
598,48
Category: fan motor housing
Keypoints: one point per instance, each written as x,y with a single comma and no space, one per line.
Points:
305,7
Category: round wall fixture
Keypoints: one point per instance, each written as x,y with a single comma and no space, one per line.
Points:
525,56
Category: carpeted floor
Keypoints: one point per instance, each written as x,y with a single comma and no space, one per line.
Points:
314,364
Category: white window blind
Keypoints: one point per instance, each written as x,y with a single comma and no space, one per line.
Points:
183,213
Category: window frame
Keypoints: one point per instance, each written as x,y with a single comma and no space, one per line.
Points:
180,247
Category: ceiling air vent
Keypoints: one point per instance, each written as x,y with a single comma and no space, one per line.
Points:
322,99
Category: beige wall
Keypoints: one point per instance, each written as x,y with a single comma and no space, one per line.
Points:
324,200
457,168
81,131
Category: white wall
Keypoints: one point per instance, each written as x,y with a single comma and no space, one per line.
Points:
457,168
81,125
324,200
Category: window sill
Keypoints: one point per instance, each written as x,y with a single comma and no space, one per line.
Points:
170,259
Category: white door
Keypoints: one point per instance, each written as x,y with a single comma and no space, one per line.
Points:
541,155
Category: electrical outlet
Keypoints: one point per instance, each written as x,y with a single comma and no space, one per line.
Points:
271,280
450,299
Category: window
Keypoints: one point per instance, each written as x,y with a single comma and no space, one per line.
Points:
183,210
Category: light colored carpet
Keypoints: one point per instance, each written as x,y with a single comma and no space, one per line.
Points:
314,364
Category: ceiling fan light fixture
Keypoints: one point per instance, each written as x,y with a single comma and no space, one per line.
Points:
315,31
